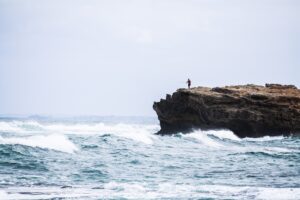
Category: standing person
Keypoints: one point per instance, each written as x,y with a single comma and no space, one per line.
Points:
189,83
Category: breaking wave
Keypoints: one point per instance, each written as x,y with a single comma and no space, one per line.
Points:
54,136
228,141
54,142
202,137
137,132
114,160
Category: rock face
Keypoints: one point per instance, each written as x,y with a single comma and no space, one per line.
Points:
247,110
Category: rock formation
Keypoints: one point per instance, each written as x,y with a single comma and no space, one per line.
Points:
247,110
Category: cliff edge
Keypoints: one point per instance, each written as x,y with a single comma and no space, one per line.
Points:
247,110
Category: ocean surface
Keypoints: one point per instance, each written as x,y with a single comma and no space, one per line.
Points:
122,158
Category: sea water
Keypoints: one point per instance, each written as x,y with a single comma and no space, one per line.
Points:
122,158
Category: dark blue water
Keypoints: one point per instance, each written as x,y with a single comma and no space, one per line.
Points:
121,158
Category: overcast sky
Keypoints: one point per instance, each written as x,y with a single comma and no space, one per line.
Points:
84,57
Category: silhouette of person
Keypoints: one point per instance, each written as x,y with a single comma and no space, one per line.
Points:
189,83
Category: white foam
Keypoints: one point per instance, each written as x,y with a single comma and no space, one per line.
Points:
279,193
10,127
223,134
203,139
117,190
3,195
54,141
263,139
127,190
140,133
270,150
241,147
258,149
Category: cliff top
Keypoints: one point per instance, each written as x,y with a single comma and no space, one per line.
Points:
274,90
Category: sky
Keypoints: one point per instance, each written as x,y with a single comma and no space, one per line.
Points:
116,57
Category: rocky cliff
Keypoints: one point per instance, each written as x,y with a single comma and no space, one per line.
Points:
247,110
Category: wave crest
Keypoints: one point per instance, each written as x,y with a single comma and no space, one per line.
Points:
54,142
141,133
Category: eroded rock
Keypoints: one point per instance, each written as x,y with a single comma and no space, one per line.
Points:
247,110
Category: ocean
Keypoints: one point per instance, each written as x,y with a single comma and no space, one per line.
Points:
122,158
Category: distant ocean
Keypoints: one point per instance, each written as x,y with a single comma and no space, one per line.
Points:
122,158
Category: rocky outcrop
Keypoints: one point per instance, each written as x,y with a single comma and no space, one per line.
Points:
247,110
